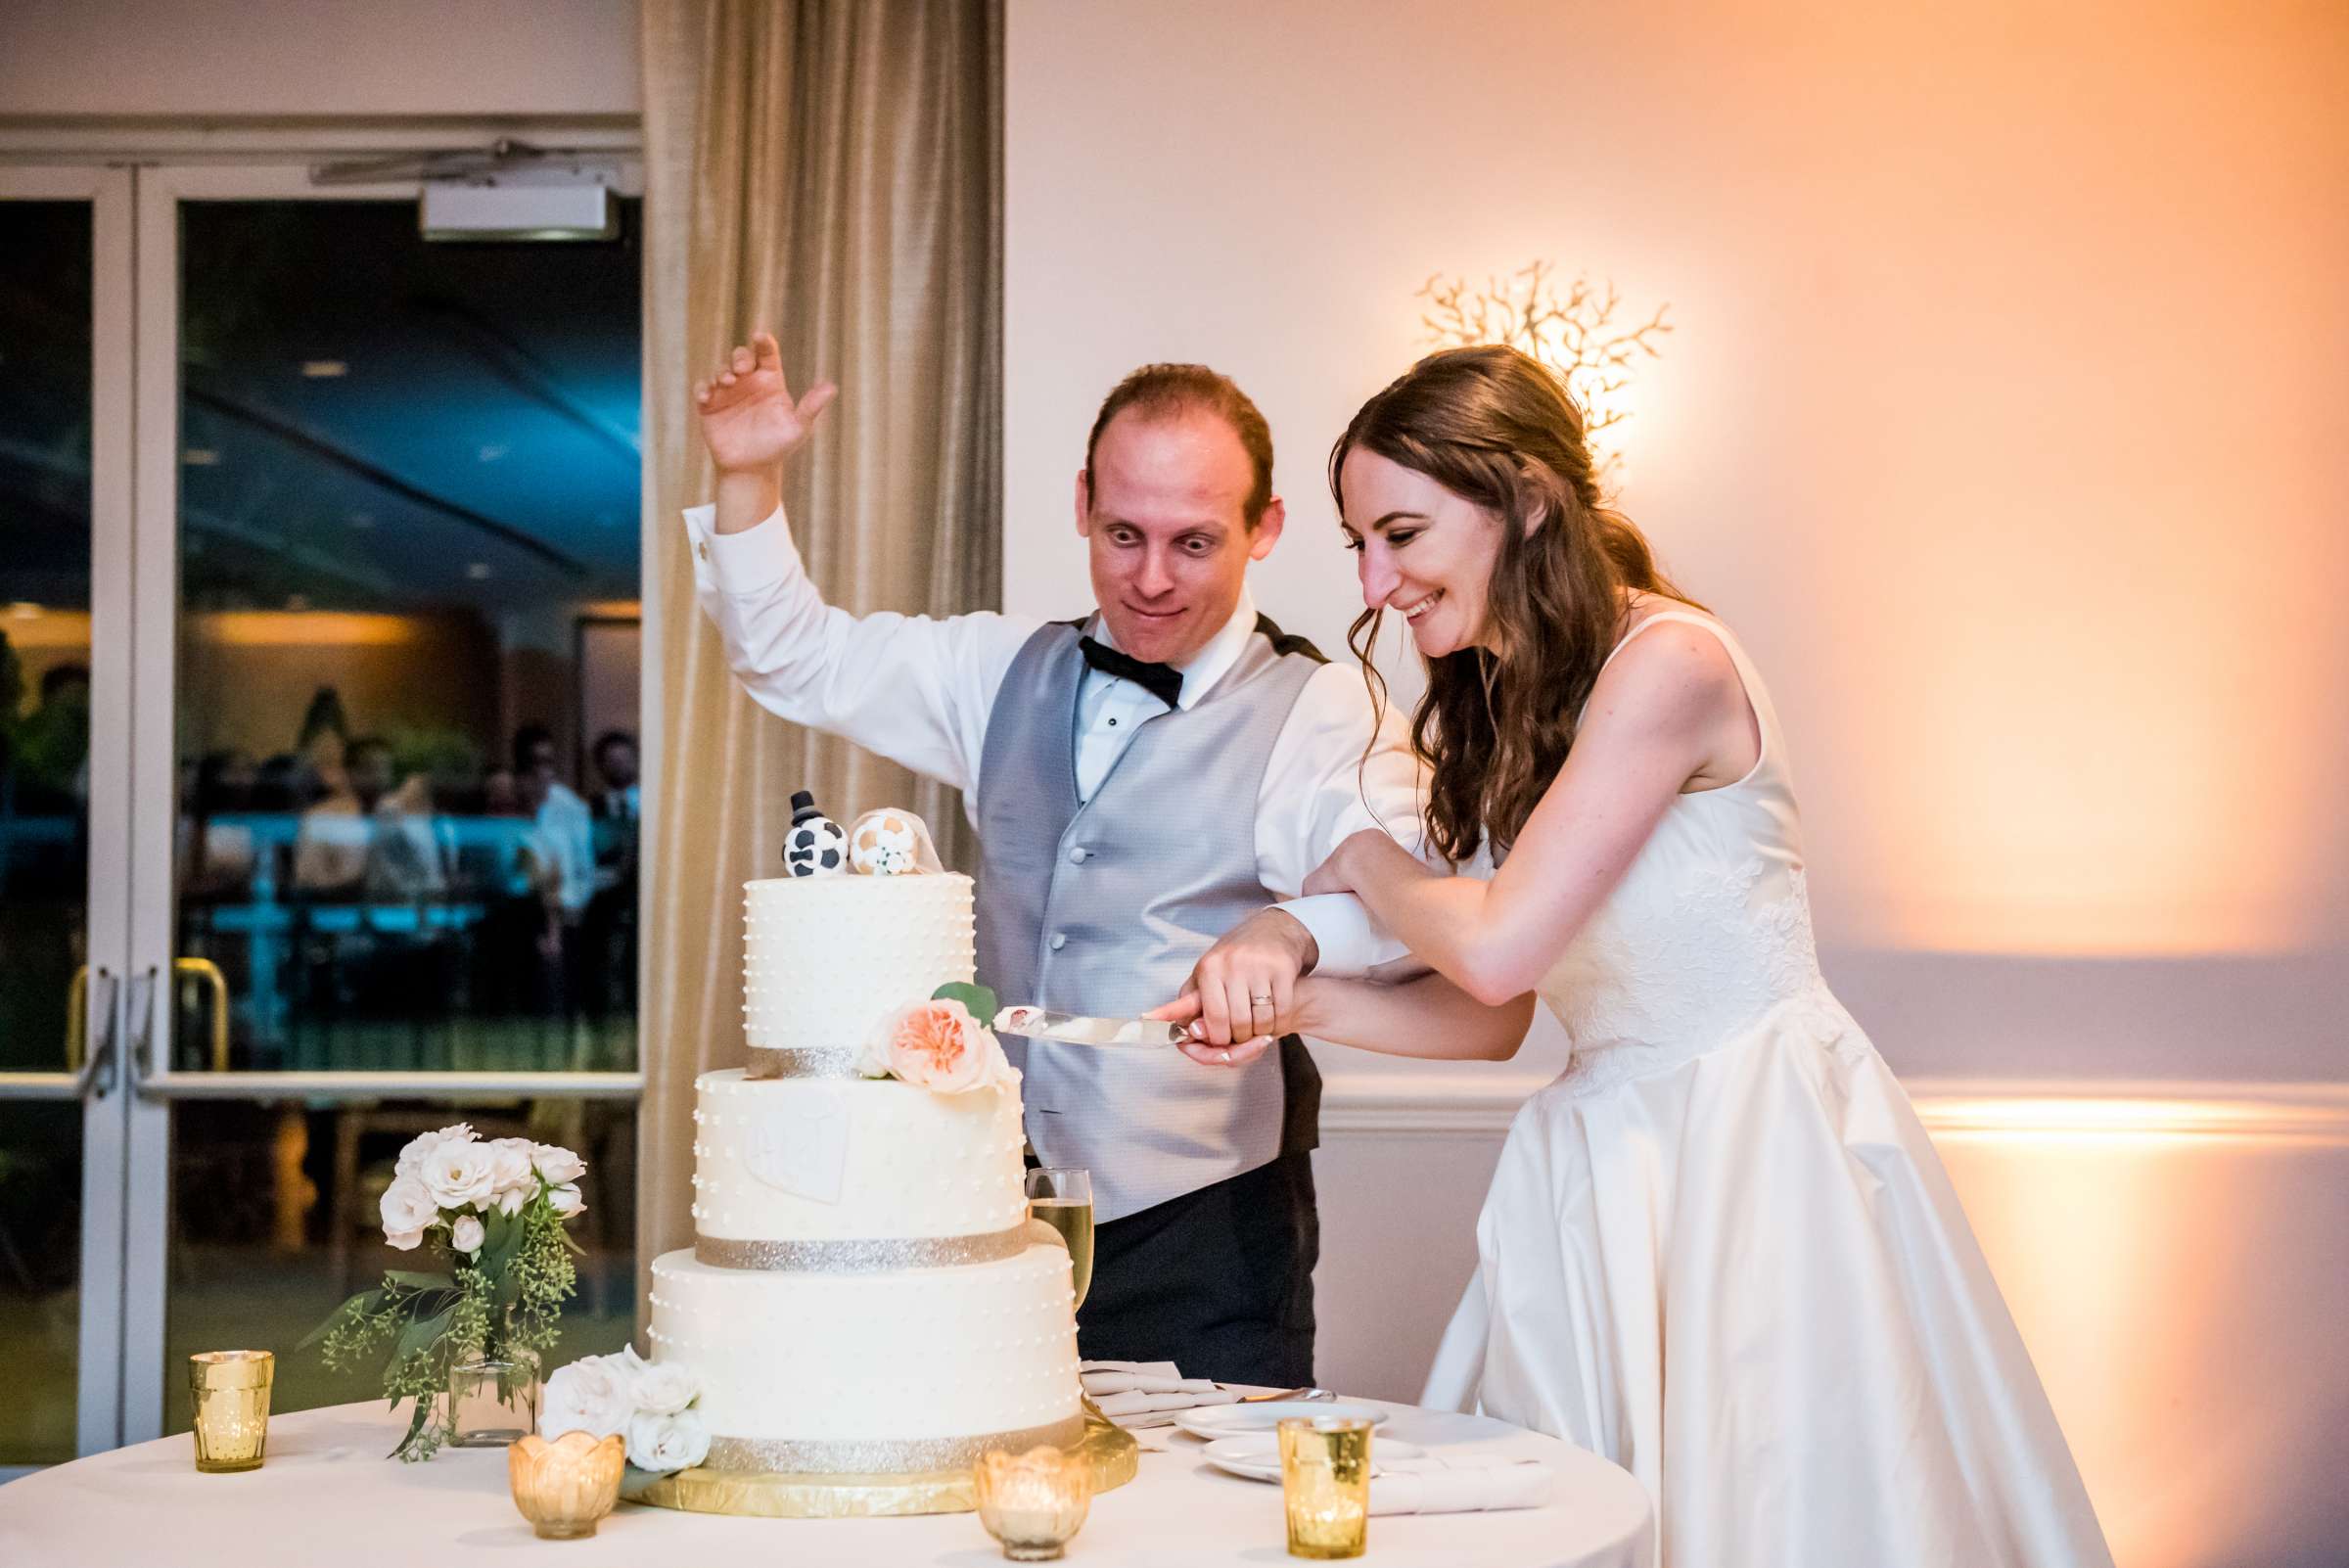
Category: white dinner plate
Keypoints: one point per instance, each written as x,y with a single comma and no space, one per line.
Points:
1222,1420
1257,1454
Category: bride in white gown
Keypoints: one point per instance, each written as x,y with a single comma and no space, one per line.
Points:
1718,1249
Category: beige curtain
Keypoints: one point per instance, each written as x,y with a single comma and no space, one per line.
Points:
833,171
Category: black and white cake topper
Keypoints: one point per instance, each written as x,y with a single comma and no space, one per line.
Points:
814,846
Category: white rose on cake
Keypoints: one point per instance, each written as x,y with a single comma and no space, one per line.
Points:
667,1442
594,1394
938,1046
665,1387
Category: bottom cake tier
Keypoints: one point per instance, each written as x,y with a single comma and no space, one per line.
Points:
893,1372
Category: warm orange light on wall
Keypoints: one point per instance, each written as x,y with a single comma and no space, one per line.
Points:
31,625
303,629
2144,1246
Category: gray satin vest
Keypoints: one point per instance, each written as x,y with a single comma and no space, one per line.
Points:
1102,907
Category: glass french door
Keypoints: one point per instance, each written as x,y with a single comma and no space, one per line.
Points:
65,692
352,851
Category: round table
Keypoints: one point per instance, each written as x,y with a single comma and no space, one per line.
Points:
328,1495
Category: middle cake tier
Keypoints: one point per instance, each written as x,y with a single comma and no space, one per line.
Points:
796,1173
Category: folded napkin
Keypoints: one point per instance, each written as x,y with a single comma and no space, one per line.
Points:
1137,1394
1457,1483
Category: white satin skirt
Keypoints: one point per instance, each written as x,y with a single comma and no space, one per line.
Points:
1746,1279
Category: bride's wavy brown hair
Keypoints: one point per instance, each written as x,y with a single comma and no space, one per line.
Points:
1494,427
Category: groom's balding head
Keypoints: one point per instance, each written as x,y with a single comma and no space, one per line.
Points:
1165,390
1174,499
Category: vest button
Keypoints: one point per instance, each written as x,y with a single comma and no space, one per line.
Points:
1076,854
1060,940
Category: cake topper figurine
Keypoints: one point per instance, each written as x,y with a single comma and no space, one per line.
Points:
814,847
892,843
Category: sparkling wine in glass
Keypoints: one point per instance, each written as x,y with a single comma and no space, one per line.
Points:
1063,1199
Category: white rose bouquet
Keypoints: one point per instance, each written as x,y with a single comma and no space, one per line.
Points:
494,1210
651,1405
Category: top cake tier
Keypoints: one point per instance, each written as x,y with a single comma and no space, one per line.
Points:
826,959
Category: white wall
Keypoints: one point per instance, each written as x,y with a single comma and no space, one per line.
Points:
208,58
2002,417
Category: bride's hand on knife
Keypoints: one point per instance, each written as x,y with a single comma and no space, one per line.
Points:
1184,1009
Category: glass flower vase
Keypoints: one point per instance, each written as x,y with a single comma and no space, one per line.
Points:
492,1399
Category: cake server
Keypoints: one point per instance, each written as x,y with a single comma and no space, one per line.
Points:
1038,1023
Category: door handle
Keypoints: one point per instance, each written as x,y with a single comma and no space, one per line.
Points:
92,1065
139,1003
208,973
77,1019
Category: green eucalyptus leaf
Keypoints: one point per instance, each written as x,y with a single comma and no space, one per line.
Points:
408,1280
421,1332
424,1413
361,1305
979,999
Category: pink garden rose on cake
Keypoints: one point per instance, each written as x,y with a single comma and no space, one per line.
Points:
937,1046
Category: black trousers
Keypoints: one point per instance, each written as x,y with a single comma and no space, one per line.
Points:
1218,1281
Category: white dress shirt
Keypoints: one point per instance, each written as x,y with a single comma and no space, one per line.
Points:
563,834
918,690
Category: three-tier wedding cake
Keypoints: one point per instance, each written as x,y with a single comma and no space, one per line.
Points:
865,1294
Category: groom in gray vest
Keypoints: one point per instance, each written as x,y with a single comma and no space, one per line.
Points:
1143,779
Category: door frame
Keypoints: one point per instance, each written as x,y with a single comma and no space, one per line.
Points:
136,177
98,1413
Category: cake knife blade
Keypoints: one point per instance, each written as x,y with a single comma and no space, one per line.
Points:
1038,1023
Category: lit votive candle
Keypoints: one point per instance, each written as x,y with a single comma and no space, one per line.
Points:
565,1486
230,1393
1325,1484
1033,1502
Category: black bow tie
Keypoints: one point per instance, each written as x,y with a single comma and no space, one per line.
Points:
1162,681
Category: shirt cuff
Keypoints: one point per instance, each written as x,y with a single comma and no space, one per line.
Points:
1351,942
749,562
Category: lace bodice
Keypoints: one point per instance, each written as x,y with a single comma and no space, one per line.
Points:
1708,932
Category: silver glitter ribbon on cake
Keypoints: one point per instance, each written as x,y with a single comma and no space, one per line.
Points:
862,1257
769,1061
880,1456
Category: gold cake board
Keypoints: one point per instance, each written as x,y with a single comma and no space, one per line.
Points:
769,1495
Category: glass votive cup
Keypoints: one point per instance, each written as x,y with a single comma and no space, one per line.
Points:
564,1485
1033,1502
1325,1484
230,1393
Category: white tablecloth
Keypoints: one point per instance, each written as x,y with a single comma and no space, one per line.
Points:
329,1498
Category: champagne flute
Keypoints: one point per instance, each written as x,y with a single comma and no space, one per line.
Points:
1063,1198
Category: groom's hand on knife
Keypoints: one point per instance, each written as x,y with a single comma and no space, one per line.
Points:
1242,994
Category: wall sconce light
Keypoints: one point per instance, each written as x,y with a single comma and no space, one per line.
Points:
1574,328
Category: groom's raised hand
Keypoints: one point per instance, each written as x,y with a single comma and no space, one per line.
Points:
751,423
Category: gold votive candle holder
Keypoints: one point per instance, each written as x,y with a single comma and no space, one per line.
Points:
563,1486
1033,1502
1325,1484
230,1393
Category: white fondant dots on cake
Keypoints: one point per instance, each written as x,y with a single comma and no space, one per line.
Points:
826,959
